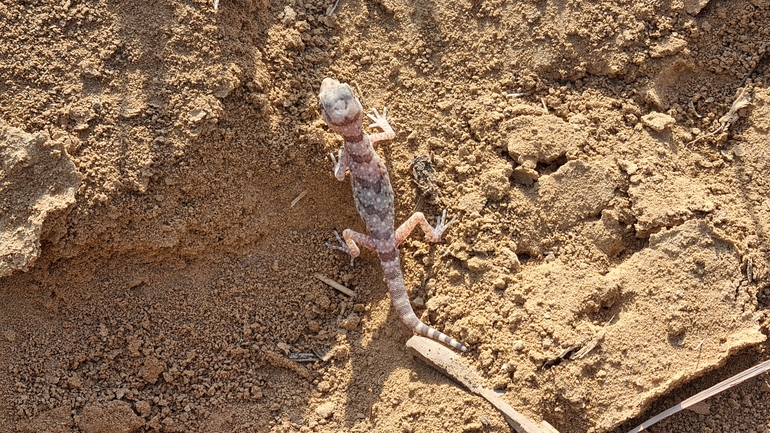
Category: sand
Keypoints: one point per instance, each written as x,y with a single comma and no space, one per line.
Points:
166,192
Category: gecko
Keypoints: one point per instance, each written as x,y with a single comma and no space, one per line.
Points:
374,199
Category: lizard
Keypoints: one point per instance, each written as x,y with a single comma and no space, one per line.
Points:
374,198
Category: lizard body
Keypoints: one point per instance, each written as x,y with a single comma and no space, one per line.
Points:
373,196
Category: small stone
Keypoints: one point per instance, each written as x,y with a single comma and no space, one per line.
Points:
283,347
74,382
323,302
477,264
510,259
473,427
669,46
351,322
518,345
445,104
152,369
499,283
142,407
324,386
289,15
325,410
130,109
701,408
525,175
224,89
256,393
196,115
658,121
628,166
693,7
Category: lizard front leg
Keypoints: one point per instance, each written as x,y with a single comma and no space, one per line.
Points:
431,233
341,163
349,241
381,121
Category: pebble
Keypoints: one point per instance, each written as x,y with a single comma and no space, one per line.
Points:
325,410
351,322
658,121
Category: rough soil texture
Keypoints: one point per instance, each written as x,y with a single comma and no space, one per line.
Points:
154,275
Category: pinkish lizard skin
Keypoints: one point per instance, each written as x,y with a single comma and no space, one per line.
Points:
373,195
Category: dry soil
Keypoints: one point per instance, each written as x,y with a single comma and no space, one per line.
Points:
166,192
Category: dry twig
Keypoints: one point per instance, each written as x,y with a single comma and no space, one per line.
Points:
335,285
445,360
742,100
298,198
332,8
699,397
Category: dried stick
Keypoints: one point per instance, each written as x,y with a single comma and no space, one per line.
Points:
335,285
742,100
445,360
714,390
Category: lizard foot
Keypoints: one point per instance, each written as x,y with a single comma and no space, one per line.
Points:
342,247
338,165
380,121
441,225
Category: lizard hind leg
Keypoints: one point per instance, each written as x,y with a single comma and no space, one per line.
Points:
432,234
349,241
442,224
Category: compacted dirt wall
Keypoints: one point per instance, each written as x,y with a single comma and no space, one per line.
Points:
166,193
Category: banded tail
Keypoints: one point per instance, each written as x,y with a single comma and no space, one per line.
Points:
395,280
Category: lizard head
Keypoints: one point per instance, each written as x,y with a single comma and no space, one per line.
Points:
339,106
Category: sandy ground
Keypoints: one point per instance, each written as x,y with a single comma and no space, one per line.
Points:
156,272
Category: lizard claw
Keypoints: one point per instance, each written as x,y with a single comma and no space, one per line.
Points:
342,246
442,224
